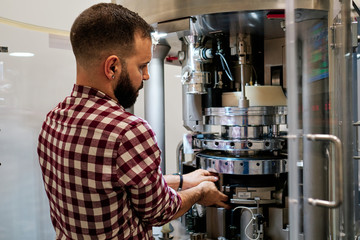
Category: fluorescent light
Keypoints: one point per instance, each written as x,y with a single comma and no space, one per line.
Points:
21,54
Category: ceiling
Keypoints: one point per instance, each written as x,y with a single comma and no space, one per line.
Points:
44,13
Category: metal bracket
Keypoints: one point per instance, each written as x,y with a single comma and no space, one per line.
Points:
4,49
354,34
357,124
332,38
332,34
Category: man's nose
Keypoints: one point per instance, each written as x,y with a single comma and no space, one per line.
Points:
146,75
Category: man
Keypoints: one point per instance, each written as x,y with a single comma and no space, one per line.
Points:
100,164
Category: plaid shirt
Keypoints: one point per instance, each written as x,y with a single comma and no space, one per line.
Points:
101,170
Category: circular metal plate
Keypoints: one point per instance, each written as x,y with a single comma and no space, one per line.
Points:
244,132
239,144
256,165
252,116
250,111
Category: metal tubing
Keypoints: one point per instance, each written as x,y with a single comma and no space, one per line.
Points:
337,164
356,150
180,156
154,97
243,102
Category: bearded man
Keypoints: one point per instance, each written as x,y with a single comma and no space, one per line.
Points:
100,163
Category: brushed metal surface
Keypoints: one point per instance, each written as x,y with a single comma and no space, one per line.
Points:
242,166
254,116
240,144
154,11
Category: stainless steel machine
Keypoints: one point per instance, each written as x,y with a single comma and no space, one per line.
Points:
234,133
270,103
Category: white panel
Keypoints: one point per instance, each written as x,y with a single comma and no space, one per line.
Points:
174,129
29,88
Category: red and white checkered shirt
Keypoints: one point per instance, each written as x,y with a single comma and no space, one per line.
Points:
101,170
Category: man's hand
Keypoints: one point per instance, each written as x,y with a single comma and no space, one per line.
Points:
196,177
205,194
212,196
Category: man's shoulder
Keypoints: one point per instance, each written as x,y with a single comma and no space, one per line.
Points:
132,120
113,114
102,114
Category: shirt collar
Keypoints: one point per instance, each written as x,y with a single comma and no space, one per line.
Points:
81,91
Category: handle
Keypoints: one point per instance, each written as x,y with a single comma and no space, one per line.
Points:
336,164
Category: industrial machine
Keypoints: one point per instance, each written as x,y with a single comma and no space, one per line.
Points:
236,123
270,104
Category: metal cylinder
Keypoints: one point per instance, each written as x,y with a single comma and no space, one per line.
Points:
154,96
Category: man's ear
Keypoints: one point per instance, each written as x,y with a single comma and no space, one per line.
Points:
112,67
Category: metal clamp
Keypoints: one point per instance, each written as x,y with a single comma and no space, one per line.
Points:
337,164
357,124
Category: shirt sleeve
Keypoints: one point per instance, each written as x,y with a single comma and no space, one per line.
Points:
139,171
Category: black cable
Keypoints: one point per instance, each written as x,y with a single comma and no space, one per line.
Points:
356,8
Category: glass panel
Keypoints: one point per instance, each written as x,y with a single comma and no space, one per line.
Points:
29,88
320,122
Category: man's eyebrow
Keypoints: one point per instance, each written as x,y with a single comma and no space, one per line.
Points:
145,63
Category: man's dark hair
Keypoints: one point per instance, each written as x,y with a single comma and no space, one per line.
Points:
106,29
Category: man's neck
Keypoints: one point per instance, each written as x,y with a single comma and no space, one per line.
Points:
94,79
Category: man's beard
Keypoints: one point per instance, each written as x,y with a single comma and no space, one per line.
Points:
125,93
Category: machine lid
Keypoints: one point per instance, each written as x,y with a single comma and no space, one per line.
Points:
155,11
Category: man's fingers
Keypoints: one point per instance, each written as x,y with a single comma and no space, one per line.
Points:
224,205
203,172
207,173
223,199
211,178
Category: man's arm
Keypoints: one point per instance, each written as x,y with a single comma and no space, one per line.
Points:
205,194
151,198
190,180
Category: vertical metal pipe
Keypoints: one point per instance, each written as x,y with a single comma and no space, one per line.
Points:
293,106
154,97
334,214
180,156
243,101
356,90
346,119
